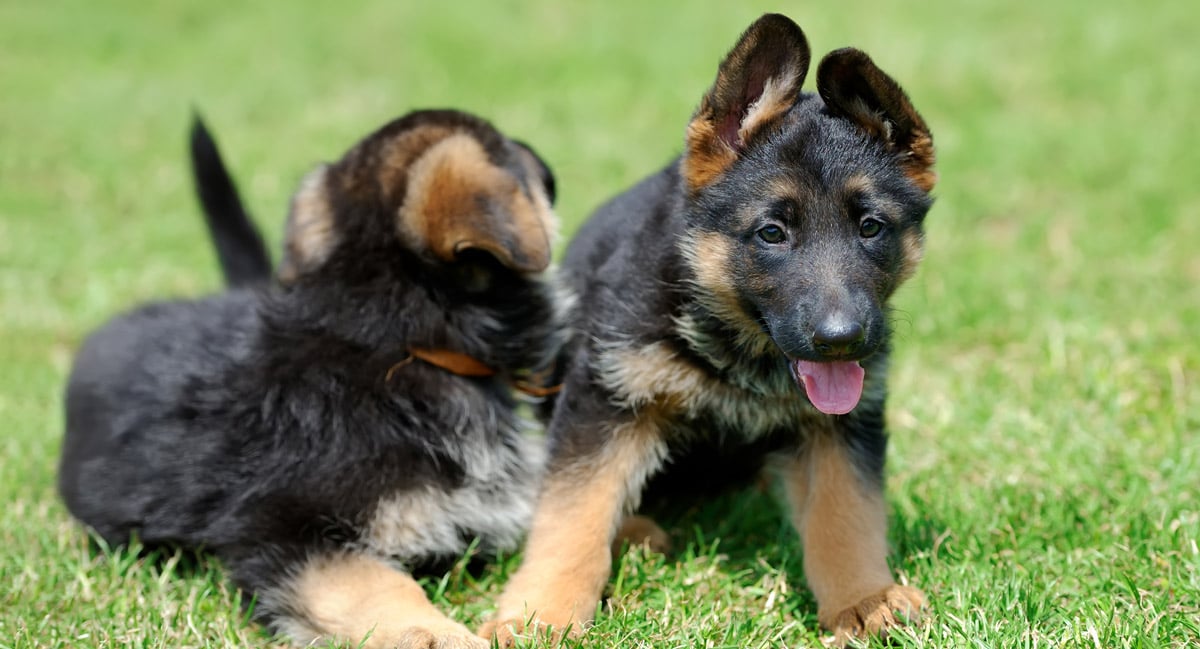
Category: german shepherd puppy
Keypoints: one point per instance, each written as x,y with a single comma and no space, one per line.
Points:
739,298
328,436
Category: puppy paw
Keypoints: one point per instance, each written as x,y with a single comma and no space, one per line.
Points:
507,630
438,637
893,606
641,531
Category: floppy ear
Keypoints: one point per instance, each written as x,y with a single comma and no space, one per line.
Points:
854,87
309,235
758,81
458,201
549,183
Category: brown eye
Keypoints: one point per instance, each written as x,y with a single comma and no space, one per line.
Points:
870,228
772,234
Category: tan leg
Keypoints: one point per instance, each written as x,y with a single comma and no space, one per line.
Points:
360,599
842,522
567,558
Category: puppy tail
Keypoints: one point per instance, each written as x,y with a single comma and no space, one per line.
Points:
240,248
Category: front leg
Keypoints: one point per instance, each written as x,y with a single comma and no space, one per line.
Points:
568,557
835,487
358,598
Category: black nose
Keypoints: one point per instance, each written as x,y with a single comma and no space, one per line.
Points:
838,336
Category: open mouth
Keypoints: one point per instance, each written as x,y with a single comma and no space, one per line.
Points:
833,388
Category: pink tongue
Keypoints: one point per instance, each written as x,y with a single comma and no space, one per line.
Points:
834,388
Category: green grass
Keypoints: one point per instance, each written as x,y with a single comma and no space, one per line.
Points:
1045,467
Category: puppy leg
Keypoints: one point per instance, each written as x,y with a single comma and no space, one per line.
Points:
361,599
839,510
567,558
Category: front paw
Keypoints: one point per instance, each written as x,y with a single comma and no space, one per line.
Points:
447,636
508,628
893,606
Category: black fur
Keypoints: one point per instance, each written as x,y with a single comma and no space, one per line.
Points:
262,423
240,249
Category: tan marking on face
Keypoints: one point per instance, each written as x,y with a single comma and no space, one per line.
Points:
912,249
858,184
458,200
568,555
310,234
841,519
349,597
708,255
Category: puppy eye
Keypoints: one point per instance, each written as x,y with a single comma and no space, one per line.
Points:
870,228
772,234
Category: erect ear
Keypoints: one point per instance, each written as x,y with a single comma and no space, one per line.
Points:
758,81
309,235
854,87
459,200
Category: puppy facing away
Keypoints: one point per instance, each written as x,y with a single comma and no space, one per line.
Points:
737,300
328,436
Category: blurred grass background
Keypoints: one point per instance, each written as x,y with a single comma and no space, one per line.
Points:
1046,394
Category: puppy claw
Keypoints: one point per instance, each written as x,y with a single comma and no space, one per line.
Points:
893,606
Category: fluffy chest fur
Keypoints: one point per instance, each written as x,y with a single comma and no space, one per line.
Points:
493,503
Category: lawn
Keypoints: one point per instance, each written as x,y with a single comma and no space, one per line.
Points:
1044,472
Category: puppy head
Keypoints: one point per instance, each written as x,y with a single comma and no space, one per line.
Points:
804,212
442,187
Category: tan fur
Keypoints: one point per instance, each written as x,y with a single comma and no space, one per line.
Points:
708,156
912,245
310,234
858,184
457,200
656,377
843,525
391,170
641,531
918,152
707,255
567,557
357,598
912,248
919,163
778,95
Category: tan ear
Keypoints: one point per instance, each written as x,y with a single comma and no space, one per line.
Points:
854,87
757,83
458,200
309,236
